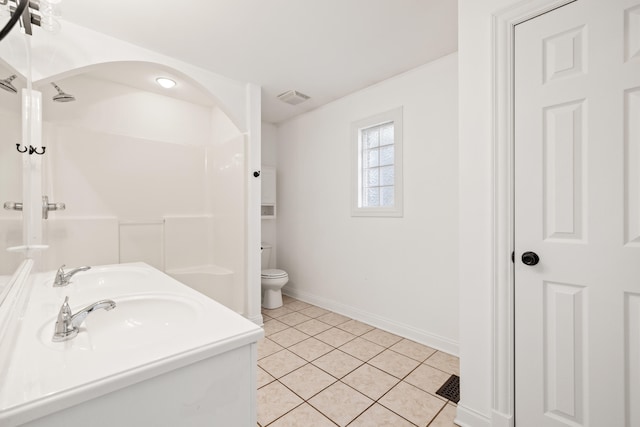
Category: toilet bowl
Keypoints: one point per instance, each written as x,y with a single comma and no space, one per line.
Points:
272,280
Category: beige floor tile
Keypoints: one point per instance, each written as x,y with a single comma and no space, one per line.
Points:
333,319
281,363
266,347
277,312
445,417
263,377
313,327
307,381
427,378
394,363
272,326
380,337
337,363
413,350
310,349
335,337
411,403
355,327
303,416
275,400
287,298
370,381
379,416
444,362
296,305
294,318
340,403
288,337
314,311
362,349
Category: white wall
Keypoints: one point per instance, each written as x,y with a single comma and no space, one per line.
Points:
400,274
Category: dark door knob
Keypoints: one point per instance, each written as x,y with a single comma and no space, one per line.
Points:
530,258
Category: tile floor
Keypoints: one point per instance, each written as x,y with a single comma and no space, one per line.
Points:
318,368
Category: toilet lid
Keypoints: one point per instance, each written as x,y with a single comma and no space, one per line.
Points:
273,273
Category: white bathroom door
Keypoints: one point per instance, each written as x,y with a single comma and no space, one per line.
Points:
577,216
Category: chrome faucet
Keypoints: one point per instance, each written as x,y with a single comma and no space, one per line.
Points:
63,279
68,325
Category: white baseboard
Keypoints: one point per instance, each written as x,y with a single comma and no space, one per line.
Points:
466,417
501,420
421,336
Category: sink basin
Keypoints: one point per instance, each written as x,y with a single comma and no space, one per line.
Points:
136,322
102,277
108,276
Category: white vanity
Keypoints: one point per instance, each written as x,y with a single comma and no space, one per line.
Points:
166,355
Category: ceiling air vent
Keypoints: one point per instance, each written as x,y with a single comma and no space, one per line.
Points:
293,97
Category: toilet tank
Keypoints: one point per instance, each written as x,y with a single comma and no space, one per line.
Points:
266,256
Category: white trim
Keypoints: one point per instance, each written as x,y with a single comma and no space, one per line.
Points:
395,116
504,22
418,335
252,295
466,417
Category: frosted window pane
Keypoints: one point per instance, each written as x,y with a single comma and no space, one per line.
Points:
373,197
371,158
386,175
386,134
387,196
386,155
371,138
372,177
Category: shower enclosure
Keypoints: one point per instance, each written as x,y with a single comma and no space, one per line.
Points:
131,171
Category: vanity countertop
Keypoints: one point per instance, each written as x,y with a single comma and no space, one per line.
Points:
158,325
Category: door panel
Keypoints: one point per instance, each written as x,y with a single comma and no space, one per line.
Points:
577,205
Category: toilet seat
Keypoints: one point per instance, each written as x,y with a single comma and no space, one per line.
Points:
273,273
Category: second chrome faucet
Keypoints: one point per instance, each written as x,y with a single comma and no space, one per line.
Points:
63,279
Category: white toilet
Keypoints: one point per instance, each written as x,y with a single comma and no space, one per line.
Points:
272,280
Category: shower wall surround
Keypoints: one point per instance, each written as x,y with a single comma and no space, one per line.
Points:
124,160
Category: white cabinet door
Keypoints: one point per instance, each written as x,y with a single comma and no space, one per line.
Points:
577,206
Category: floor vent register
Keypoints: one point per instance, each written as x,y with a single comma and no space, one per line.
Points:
450,389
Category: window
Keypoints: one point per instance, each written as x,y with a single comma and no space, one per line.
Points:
377,166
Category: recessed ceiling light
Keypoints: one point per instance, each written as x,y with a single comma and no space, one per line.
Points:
165,82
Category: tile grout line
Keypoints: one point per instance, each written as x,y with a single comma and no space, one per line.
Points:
362,363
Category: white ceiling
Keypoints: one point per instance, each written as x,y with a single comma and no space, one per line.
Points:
323,48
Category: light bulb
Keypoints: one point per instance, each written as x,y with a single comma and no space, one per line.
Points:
165,82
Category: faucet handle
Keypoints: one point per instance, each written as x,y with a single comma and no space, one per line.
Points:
64,329
60,279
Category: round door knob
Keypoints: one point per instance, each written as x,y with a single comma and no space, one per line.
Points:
530,258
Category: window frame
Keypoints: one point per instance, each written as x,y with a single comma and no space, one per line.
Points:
357,127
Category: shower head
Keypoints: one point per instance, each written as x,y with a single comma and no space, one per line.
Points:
61,96
6,84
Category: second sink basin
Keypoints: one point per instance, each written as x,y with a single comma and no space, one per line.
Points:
136,322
